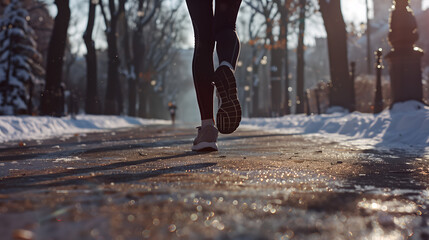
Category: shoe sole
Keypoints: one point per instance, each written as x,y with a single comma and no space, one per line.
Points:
229,114
205,147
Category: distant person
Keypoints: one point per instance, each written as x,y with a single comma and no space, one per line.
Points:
73,104
208,29
172,109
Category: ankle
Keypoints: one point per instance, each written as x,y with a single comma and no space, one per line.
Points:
206,122
227,64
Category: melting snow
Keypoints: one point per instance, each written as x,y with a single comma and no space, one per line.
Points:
14,128
406,125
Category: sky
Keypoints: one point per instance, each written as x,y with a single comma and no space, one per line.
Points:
353,11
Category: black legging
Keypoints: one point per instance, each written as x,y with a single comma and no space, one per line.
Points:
209,28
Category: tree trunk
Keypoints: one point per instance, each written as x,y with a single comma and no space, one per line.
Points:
284,10
144,99
284,29
276,74
138,53
91,101
52,102
110,103
300,60
255,85
131,77
341,91
113,102
270,37
130,74
287,104
139,48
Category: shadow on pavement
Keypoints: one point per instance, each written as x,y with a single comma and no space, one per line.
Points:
173,143
15,184
128,146
232,138
69,144
393,168
384,173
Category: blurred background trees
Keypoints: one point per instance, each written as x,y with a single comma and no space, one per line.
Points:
132,57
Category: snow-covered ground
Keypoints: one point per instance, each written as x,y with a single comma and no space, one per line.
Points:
404,126
14,128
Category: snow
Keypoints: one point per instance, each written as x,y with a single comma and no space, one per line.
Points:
16,128
405,126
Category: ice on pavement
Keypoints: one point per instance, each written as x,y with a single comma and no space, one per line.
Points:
406,125
15,128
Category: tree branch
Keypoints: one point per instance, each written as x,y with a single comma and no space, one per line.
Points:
103,12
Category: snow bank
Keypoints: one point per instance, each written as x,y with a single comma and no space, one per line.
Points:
13,128
404,126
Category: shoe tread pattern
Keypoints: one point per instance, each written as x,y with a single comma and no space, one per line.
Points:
229,114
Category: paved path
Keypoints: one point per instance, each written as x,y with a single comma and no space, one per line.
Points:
145,183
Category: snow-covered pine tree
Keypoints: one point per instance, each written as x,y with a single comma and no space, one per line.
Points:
20,67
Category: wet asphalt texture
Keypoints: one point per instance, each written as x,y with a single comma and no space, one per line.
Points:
145,183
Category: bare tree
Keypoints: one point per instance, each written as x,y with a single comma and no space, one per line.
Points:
127,70
160,53
286,9
341,92
254,39
269,12
134,49
113,103
92,104
300,59
52,102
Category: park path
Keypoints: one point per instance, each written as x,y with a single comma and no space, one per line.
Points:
145,183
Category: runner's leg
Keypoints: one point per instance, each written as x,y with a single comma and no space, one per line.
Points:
227,43
201,12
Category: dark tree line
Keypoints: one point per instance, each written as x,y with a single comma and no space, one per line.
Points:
283,14
141,37
135,52
134,17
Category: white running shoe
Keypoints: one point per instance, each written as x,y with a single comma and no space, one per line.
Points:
206,139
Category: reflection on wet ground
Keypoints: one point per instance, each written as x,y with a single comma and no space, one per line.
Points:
145,183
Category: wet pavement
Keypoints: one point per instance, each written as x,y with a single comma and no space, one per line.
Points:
145,183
